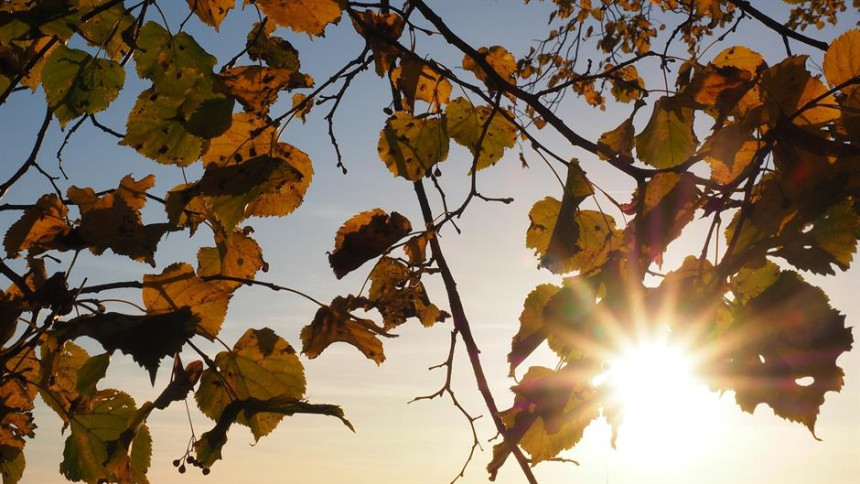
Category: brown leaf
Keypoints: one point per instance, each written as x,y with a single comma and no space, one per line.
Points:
40,228
365,236
334,323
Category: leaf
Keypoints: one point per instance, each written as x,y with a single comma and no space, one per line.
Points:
17,394
95,425
831,239
113,221
236,255
618,140
550,413
502,62
334,323
752,280
784,334
107,28
58,375
40,228
666,206
250,136
532,331
740,57
364,237
730,151
309,16
12,470
147,338
565,235
788,87
159,53
627,86
178,287
274,51
261,365
841,60
89,374
596,237
208,446
380,30
399,294
256,87
668,139
417,80
76,83
410,146
211,12
224,192
485,131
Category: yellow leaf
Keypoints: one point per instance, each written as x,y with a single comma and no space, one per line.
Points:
788,87
741,58
498,58
486,133
380,30
668,139
39,228
309,16
236,255
211,12
177,287
729,151
842,59
419,81
256,87
410,146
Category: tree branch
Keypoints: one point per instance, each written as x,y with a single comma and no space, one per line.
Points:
748,9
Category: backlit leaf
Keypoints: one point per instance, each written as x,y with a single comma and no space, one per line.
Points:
499,59
236,255
532,331
76,83
618,140
364,237
89,374
596,236
380,30
274,51
410,146
334,323
256,88
309,16
40,228
787,87
211,12
786,333
842,59
261,365
95,425
107,28
178,287
398,294
417,80
481,129
668,139
740,57
730,151
158,53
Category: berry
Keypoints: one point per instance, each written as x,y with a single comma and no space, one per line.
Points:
206,471
182,469
176,463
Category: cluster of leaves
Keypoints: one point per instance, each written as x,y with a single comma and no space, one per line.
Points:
783,172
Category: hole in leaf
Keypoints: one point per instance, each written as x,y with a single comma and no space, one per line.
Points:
805,381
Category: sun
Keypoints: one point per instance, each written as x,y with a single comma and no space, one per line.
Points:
667,412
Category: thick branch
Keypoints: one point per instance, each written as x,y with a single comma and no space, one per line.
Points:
748,9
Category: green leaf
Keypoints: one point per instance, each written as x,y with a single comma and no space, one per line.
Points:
261,365
668,139
411,146
107,28
486,133
89,374
95,424
76,83
532,330
13,470
159,53
147,338
618,140
211,118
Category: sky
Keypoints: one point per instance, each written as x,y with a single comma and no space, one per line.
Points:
703,438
